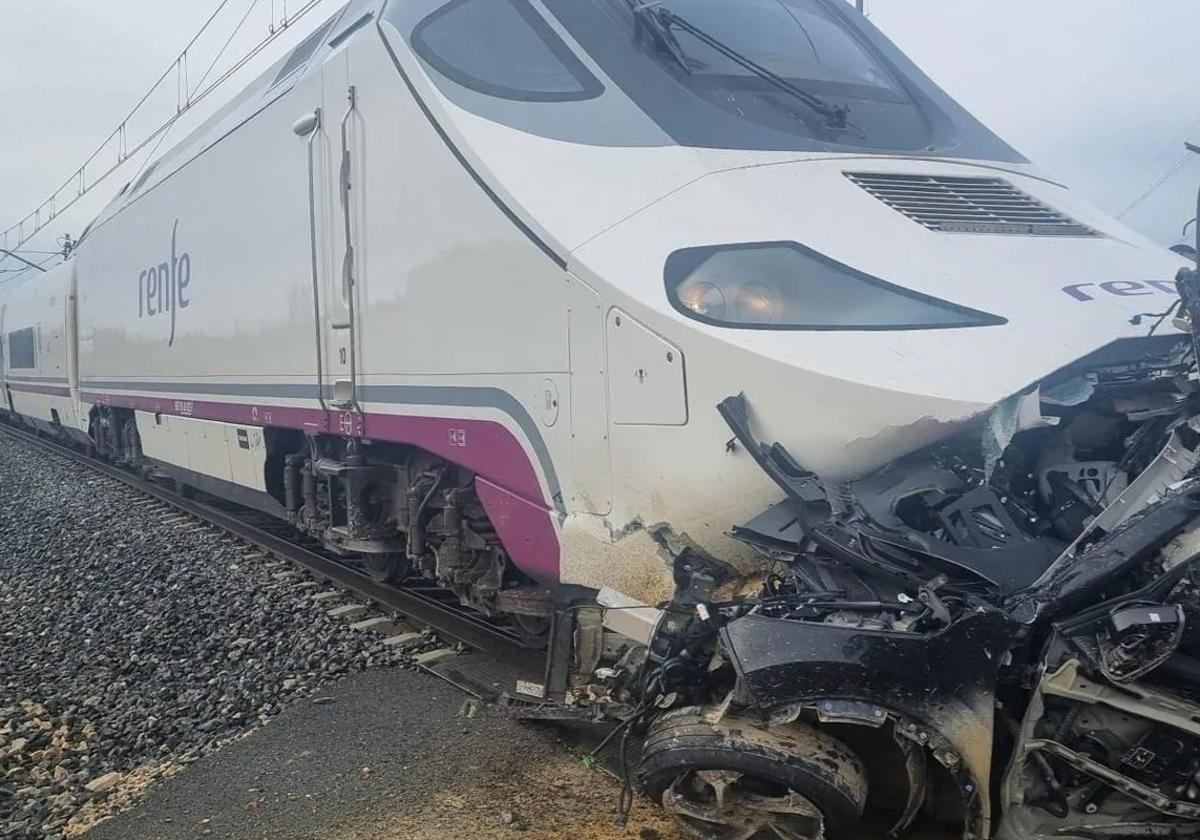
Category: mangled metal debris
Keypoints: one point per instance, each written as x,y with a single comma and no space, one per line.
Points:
999,633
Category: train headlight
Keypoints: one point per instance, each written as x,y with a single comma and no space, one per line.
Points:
785,286
758,303
702,298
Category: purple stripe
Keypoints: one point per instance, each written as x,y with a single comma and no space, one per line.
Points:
483,446
525,529
244,413
29,387
506,479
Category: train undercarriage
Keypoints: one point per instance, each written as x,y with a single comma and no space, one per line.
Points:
395,511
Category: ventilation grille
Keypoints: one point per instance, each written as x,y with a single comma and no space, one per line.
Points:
968,205
304,50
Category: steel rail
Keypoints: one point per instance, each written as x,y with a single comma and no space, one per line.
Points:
453,622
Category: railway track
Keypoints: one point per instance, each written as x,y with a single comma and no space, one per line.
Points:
503,663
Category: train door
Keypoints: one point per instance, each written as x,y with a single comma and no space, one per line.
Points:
72,340
342,207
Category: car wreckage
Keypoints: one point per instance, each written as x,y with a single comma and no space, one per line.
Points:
997,635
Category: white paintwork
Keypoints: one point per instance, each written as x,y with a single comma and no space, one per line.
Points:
44,303
645,375
3,356
590,490
225,451
449,293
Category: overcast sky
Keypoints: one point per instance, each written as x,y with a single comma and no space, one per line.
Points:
1100,93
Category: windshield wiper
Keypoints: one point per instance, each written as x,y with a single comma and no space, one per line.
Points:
660,20
650,14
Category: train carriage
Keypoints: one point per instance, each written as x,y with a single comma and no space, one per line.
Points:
554,300
39,374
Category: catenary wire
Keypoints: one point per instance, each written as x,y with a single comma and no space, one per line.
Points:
1175,169
124,154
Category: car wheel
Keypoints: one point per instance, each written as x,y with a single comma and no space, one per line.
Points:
735,778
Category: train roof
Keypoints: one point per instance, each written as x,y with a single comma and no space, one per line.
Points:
274,82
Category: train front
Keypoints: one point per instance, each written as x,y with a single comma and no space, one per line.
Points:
976,396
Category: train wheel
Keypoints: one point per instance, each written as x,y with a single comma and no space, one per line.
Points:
387,568
533,630
736,779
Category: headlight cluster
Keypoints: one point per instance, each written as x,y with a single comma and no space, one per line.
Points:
783,285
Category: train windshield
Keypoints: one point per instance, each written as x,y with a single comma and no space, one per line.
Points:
748,74
783,75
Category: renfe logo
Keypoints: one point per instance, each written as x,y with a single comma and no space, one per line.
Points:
1120,288
163,287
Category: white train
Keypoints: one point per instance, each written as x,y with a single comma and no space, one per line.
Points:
459,285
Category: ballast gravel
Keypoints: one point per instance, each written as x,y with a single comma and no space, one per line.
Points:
134,640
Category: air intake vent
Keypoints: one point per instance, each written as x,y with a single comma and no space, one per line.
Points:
967,205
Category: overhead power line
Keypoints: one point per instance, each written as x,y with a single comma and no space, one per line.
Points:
242,22
1177,167
103,162
1167,150
78,175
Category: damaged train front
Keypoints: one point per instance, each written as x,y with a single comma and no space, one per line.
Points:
996,634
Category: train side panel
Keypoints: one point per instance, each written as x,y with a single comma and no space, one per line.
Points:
197,297
224,459
457,300
465,315
39,350
200,285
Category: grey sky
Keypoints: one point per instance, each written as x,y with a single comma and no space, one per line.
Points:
1100,93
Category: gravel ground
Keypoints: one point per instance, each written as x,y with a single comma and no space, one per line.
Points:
133,641
393,757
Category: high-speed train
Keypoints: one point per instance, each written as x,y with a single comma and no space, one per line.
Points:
507,292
